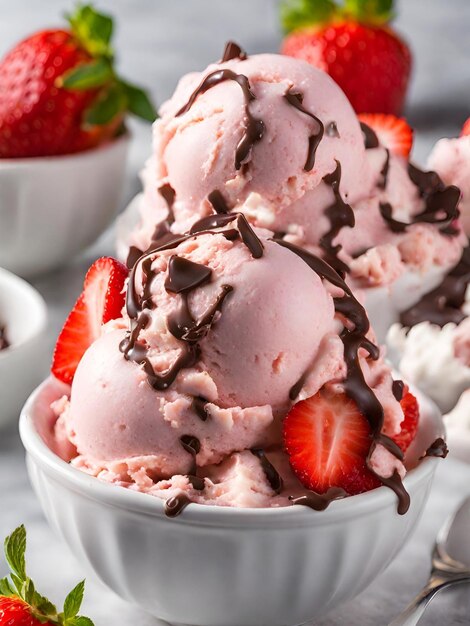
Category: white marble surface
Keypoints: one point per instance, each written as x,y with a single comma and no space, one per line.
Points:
157,42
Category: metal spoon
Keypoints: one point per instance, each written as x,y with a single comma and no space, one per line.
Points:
450,564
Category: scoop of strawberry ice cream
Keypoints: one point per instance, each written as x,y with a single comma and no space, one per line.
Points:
265,337
450,158
308,126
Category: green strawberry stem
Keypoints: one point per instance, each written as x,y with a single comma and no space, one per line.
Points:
19,585
302,14
115,97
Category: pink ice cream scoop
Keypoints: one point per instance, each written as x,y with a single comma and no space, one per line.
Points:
261,323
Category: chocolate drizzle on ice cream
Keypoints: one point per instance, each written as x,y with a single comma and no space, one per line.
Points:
444,303
233,51
296,99
254,129
440,204
3,340
340,215
370,138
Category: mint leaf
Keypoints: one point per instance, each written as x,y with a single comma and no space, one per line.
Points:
298,14
15,548
43,605
107,105
93,30
5,588
139,103
74,600
80,621
87,75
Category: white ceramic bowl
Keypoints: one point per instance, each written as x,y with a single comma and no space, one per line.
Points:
216,566
53,207
22,365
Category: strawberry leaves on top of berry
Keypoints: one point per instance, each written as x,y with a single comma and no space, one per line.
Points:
21,603
94,32
297,14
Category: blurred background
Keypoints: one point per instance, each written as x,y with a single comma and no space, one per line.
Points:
157,42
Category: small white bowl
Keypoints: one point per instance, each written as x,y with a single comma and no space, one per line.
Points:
23,364
53,207
216,566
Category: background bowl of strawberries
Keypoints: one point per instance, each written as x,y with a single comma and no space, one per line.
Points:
63,141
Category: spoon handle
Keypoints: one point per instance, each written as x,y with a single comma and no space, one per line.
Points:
414,611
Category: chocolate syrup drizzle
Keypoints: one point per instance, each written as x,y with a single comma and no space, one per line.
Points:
255,128
3,340
162,230
319,501
296,99
398,387
272,475
370,138
233,51
382,184
354,338
444,303
440,204
340,214
438,448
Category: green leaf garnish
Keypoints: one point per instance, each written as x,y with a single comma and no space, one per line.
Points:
93,30
80,621
139,103
299,14
114,97
107,106
22,587
302,14
88,75
15,548
74,600
370,11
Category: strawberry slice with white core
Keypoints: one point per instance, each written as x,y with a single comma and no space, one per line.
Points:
328,439
393,132
101,300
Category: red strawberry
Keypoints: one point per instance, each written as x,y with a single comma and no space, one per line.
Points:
409,426
327,439
60,93
392,132
22,605
353,42
465,128
101,300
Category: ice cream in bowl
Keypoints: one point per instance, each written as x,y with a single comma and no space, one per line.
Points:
222,416
276,139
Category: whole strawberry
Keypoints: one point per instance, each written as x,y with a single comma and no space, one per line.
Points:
22,605
354,43
59,92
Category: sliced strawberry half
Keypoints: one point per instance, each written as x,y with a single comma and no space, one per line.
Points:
328,439
101,300
466,128
409,425
392,132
